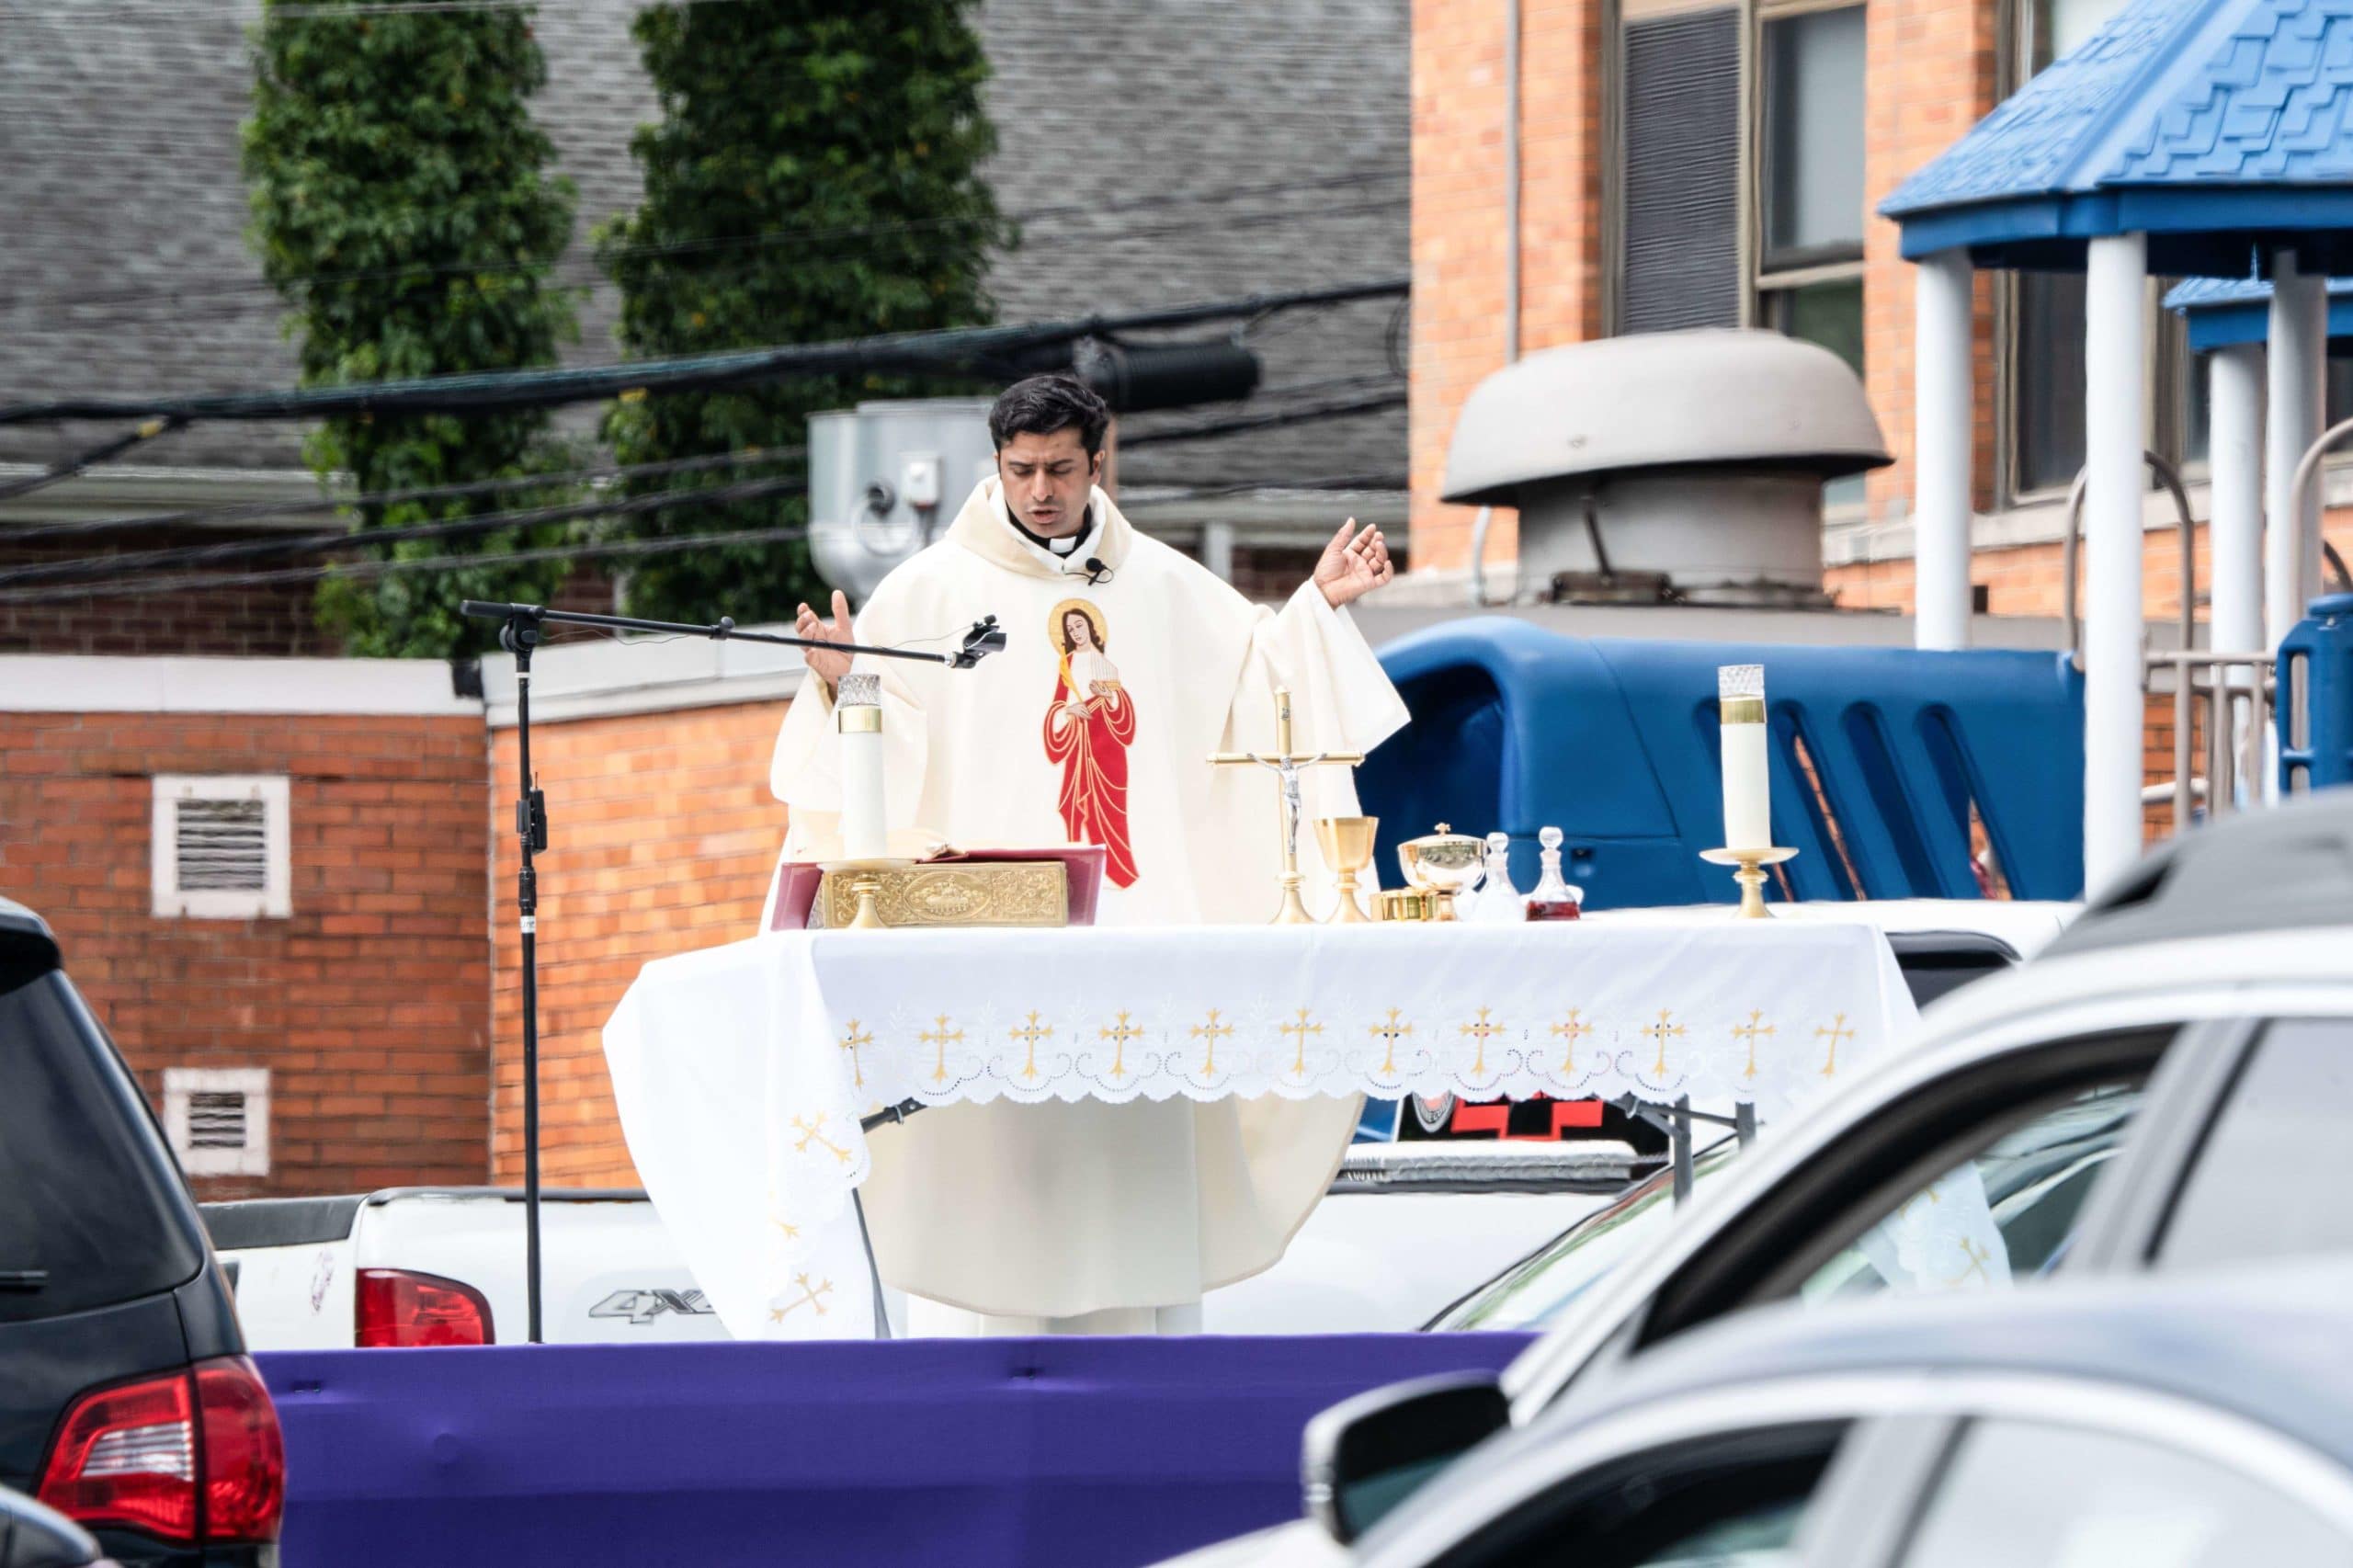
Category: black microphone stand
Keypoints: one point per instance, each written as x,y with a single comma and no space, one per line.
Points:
524,628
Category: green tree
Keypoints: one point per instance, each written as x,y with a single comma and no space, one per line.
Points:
815,175
403,207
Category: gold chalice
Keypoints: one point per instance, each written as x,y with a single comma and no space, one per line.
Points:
1347,844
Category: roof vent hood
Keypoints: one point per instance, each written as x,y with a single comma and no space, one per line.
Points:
1674,467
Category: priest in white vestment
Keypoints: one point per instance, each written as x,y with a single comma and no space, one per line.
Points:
1126,664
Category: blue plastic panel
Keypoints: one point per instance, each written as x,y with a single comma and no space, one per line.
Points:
1614,741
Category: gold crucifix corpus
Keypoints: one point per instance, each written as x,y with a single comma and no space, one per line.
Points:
1286,765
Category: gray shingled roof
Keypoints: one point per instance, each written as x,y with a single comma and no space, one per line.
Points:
120,192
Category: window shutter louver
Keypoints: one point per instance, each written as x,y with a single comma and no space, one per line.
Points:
1680,243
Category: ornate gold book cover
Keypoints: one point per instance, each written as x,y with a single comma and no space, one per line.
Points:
990,893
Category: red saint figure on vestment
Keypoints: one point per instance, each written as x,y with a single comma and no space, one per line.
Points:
1088,731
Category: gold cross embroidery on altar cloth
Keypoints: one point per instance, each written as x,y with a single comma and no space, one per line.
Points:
940,1036
1211,1032
1749,1032
1569,1031
1389,1033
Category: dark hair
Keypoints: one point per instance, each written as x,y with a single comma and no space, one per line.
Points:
1043,405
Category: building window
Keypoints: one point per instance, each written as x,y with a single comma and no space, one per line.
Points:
217,1119
222,849
1677,205
1722,221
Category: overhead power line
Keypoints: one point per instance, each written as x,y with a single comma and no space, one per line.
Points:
57,472
1247,422
966,347
364,538
257,510
370,569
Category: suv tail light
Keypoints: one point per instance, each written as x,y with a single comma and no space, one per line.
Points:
400,1307
193,1456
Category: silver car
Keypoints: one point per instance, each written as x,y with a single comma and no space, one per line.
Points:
2178,1070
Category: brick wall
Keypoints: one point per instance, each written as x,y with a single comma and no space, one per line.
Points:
370,1006
266,619
662,837
1929,74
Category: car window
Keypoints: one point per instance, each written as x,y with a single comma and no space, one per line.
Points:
1540,1287
2274,1177
2024,1495
91,1212
1719,1500
2007,1214
1730,1498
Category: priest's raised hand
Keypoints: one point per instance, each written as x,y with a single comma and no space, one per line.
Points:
1353,564
826,664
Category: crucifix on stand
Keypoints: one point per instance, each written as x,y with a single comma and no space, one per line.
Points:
1286,765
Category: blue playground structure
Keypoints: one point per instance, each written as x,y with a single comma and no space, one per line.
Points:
1879,757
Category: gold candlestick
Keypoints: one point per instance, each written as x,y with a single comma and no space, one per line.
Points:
1751,875
1347,844
1286,764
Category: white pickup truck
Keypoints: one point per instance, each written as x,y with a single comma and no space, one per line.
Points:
1408,1229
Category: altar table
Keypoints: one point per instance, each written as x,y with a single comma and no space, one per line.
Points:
741,1072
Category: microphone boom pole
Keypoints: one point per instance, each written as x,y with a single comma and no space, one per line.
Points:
523,628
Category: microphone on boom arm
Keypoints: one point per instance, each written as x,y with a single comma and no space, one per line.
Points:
985,638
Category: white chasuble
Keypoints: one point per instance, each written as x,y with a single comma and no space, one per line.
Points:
1094,726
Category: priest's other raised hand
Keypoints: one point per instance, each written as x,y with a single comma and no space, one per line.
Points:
827,666
1353,566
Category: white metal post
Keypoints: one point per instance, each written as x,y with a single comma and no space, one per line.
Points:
2234,464
1942,450
2235,540
2115,381
2298,371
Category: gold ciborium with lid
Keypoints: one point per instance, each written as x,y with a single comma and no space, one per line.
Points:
1443,864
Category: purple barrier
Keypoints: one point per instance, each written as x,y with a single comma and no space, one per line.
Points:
1098,1451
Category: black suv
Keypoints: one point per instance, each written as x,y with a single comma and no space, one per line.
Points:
126,1399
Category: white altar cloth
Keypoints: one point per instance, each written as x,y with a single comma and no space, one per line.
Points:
741,1072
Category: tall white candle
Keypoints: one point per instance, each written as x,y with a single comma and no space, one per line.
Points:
857,715
1748,798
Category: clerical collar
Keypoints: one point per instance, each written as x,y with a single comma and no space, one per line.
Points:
1066,546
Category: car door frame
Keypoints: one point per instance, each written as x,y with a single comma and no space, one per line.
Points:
2187,1096
1617,1319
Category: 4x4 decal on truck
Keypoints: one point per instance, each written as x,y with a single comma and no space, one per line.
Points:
645,1306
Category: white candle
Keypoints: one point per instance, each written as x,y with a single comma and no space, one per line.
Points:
1748,796
858,716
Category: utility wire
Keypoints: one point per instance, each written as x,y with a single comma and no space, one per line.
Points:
363,539
369,569
57,473
252,511
1267,421
917,352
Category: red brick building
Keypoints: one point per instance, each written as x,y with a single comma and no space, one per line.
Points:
1700,163
270,879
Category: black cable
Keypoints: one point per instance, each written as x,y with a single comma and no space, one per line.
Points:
57,473
1242,423
368,568
918,352
248,511
362,538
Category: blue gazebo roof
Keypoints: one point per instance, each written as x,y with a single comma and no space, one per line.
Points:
2220,128
2221,310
